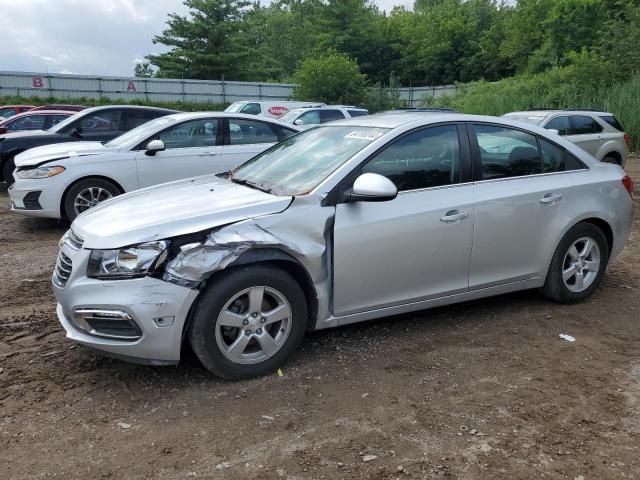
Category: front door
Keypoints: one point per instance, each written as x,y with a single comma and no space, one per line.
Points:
191,149
417,246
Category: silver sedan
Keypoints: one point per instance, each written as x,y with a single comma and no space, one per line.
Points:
351,221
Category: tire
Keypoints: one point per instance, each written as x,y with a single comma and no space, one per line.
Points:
7,171
610,159
576,264
227,300
94,189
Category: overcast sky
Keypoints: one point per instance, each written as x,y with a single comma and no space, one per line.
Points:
103,37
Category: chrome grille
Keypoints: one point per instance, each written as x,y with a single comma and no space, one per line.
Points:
74,240
62,270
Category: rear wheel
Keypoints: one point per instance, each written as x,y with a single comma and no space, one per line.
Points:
610,159
578,264
248,322
87,194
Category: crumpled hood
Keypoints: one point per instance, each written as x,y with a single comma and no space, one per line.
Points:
38,155
171,209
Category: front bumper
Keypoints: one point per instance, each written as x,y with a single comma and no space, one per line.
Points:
49,199
159,309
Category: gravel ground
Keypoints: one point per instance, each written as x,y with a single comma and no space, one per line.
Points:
485,389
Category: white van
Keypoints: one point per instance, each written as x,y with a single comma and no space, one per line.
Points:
271,109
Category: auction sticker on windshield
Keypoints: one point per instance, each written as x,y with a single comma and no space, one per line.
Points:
364,135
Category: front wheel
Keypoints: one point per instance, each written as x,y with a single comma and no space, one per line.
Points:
87,194
578,264
7,171
248,321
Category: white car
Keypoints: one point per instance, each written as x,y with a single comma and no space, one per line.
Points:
272,109
310,116
64,180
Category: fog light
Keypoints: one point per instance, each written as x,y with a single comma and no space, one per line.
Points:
164,321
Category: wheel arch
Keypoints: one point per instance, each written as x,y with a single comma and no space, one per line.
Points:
81,179
277,258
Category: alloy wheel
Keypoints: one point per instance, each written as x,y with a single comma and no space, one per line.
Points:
581,264
89,198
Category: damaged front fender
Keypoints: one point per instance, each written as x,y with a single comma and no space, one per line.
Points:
303,231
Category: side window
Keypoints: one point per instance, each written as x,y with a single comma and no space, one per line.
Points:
283,132
56,119
105,121
330,115
135,118
30,122
423,159
561,124
506,152
311,117
196,133
251,109
357,113
552,157
244,132
583,125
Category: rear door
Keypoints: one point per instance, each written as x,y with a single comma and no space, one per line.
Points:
522,191
192,149
245,138
586,133
417,246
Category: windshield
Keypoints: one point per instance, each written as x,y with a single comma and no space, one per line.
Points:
290,116
234,107
139,133
7,112
300,163
71,119
533,119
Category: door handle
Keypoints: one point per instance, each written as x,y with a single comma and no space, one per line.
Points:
208,154
453,216
550,198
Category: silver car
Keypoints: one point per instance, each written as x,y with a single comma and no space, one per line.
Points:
355,220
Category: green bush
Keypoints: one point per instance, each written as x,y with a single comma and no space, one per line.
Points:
93,102
330,78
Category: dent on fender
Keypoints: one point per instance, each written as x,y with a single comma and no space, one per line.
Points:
303,231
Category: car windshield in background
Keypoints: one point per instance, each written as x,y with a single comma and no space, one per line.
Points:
290,116
137,134
532,119
234,107
300,163
7,112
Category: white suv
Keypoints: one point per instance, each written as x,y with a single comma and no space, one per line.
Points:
599,133
314,116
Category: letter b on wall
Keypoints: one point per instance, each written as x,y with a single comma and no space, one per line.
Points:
37,82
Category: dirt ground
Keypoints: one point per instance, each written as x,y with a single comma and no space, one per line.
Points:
485,389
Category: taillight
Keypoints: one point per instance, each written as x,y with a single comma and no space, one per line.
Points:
627,183
627,139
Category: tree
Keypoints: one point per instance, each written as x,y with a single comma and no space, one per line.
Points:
205,44
331,78
143,70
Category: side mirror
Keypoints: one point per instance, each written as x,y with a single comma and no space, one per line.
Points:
371,187
155,146
298,122
77,132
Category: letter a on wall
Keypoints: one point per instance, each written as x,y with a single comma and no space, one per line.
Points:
131,87
37,82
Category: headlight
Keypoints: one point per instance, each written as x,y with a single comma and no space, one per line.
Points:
128,262
40,172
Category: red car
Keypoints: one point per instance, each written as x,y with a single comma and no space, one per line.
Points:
70,108
34,120
7,111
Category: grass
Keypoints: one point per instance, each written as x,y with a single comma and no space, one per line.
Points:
92,102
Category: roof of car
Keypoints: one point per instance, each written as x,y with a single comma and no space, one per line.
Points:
195,115
131,107
544,113
393,120
44,112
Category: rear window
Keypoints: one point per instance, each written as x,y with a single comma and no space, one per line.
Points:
358,113
613,121
583,125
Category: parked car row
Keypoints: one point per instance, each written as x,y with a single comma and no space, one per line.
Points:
238,233
7,111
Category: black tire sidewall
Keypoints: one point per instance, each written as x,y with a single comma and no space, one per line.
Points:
7,171
203,323
554,286
610,159
67,204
